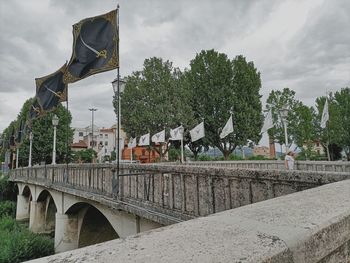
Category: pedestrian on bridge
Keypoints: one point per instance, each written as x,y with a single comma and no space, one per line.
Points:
289,160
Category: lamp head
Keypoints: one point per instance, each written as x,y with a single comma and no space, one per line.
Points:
55,120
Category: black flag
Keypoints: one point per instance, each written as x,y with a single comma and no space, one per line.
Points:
34,112
12,139
20,133
51,90
95,47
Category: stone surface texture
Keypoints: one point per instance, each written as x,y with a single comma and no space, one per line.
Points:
307,226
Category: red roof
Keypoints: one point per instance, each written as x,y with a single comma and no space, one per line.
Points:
80,144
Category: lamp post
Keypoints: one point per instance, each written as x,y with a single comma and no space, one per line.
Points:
30,148
54,124
118,85
284,114
92,126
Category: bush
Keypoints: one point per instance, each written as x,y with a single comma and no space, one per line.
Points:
7,189
19,244
7,209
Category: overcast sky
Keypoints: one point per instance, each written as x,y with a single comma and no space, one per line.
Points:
303,45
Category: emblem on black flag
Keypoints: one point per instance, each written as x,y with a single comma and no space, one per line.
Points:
95,47
33,113
51,90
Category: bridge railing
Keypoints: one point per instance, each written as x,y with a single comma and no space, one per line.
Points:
183,191
334,166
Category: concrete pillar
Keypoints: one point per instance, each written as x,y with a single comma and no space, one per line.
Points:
37,217
22,212
66,232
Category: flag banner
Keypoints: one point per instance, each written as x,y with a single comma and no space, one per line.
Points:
12,139
227,129
34,111
95,47
159,137
176,134
197,132
144,140
20,133
51,90
325,115
268,122
132,143
122,142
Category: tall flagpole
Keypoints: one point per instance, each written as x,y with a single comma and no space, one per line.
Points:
17,154
115,180
67,128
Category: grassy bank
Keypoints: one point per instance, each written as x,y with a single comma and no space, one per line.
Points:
17,243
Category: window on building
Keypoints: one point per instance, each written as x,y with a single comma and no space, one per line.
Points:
101,135
106,135
81,134
106,143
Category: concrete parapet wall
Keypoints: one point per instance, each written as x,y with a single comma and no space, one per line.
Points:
304,227
322,166
175,192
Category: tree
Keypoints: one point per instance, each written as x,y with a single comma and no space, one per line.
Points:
336,134
154,100
85,156
342,108
221,87
276,101
43,136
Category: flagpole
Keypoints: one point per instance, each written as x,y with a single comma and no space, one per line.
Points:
182,149
17,154
67,127
115,180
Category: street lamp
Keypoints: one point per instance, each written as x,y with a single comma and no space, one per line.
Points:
118,85
284,114
92,126
54,124
30,148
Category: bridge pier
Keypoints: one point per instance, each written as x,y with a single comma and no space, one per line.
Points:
37,217
66,232
22,211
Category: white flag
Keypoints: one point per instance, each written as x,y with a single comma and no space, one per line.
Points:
176,134
268,122
144,140
159,137
197,132
227,129
122,142
325,115
132,143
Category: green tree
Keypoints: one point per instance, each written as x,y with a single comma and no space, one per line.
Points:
221,87
43,136
336,134
85,156
276,101
153,99
342,108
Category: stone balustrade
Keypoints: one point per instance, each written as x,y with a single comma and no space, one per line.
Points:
311,226
336,166
180,191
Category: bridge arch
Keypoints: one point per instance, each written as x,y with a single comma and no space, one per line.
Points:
49,209
93,225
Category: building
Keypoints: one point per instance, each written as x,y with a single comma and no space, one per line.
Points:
261,151
102,140
315,146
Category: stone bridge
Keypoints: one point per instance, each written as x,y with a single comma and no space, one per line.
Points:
87,204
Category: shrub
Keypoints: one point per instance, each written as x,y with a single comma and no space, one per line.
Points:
18,244
7,208
7,189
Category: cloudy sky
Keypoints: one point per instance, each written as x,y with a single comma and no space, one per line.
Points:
303,45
